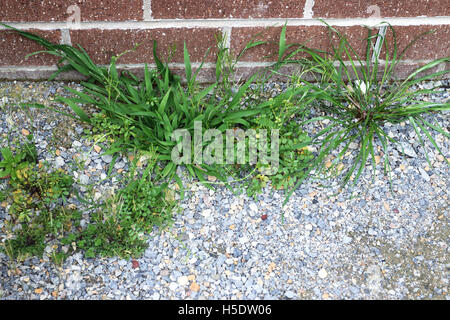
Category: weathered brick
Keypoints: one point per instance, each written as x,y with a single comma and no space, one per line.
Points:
427,47
56,10
14,48
101,45
388,8
316,37
204,9
430,46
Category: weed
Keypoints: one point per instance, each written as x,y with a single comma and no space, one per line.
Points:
11,161
141,115
37,210
120,225
357,110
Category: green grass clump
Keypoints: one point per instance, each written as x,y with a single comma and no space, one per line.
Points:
358,95
152,109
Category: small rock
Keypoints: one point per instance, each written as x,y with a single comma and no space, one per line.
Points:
323,273
98,270
134,264
407,149
173,286
59,162
243,240
84,179
206,213
119,165
182,281
290,294
97,196
347,240
194,287
76,144
424,174
107,158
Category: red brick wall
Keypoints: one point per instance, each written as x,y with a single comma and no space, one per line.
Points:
109,27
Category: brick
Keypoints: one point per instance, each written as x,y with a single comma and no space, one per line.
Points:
388,8
428,47
205,9
431,46
316,37
56,10
14,48
101,45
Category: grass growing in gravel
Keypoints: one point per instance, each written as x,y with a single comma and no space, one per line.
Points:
119,226
358,108
149,111
356,95
141,115
40,220
36,199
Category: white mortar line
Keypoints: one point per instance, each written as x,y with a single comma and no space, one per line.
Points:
147,8
235,23
308,10
226,31
65,37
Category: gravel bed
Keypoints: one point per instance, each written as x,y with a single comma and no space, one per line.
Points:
367,242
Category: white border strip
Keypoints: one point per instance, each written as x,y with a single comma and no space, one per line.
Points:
234,23
240,64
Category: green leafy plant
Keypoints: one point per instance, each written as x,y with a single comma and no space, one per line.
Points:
152,109
358,109
284,112
11,161
39,214
119,227
355,94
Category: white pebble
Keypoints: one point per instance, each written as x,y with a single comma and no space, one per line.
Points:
253,207
323,273
173,286
183,280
